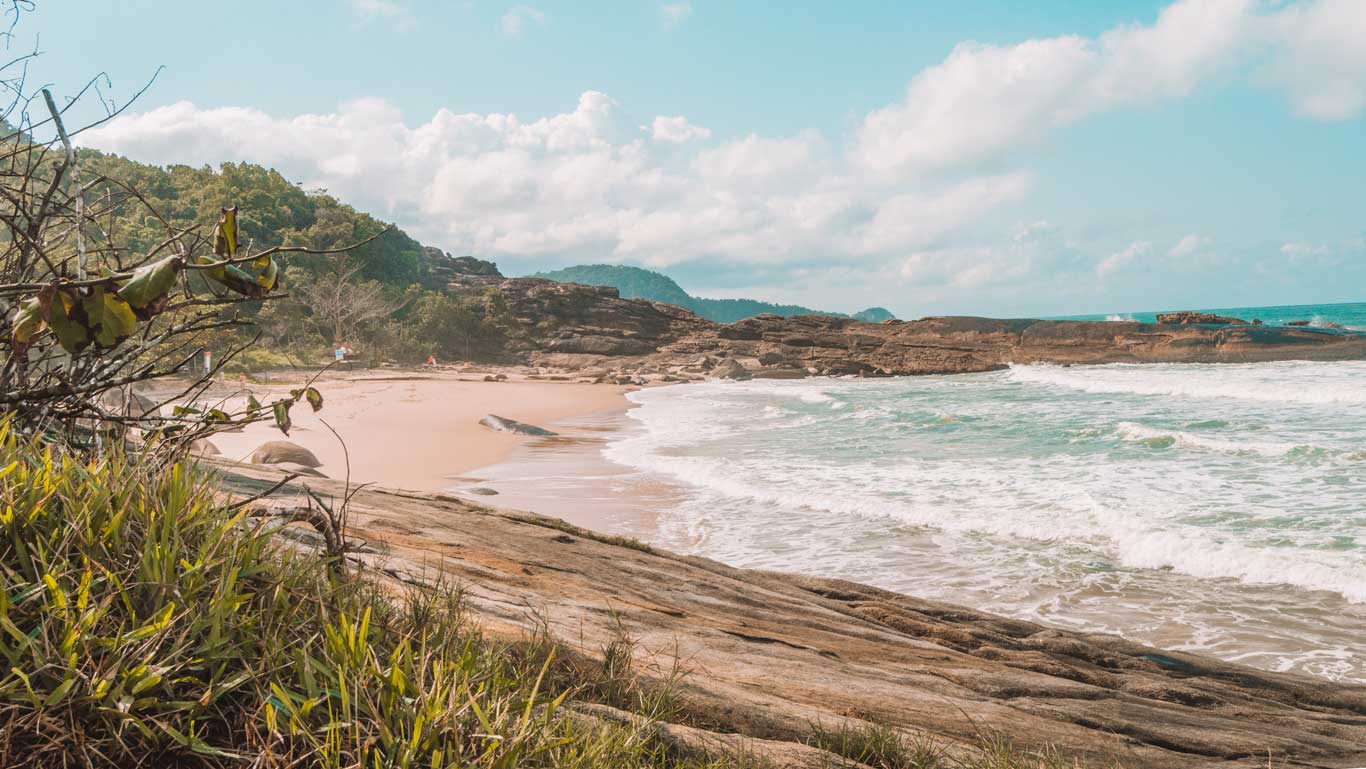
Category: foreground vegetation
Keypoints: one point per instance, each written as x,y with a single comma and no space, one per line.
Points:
144,622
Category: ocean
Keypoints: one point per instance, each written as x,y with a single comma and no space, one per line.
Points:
1351,316
1211,508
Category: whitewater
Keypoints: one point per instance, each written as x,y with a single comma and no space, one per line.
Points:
1215,508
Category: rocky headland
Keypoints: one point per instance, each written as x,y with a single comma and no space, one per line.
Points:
593,331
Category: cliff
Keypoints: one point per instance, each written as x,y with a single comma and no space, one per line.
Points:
769,655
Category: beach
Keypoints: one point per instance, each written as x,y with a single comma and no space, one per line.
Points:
413,430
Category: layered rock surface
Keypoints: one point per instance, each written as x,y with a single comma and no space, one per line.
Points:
578,327
769,654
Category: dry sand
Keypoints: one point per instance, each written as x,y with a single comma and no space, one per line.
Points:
412,431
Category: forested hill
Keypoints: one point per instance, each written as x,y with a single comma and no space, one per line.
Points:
272,211
638,283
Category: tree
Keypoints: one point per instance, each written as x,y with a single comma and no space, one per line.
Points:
341,301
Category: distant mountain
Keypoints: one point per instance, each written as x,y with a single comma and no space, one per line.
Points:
638,283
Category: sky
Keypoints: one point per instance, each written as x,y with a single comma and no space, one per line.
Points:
991,157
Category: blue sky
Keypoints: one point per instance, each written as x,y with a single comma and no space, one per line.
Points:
997,158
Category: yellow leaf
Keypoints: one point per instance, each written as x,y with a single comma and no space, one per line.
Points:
225,236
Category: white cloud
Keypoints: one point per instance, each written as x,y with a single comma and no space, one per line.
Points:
518,18
677,130
1190,245
585,182
674,13
1121,259
1321,57
985,99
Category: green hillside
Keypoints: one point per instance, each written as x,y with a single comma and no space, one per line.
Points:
638,283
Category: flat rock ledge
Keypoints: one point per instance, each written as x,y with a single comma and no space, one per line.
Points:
769,654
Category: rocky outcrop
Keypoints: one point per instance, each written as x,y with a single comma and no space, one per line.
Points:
277,452
1187,316
505,425
593,330
770,654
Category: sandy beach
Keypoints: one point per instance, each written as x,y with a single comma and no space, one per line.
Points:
413,430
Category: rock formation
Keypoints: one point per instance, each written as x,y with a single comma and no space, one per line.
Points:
1188,316
277,452
770,654
505,425
593,330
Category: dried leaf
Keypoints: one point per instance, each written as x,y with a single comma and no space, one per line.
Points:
67,318
111,318
28,322
225,234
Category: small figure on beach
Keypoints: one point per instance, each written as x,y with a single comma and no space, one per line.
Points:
342,352
431,361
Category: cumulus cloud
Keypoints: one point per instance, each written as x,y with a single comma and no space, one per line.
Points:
583,182
1121,259
518,18
985,99
674,13
677,130
1321,57
1189,246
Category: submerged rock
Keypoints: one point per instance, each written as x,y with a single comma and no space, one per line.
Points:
276,452
505,425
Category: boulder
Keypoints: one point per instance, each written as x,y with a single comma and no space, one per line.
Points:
1187,316
276,452
204,448
505,425
730,369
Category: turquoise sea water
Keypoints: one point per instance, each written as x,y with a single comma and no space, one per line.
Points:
1218,508
1352,315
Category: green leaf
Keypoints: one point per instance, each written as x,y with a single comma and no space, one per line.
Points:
281,411
311,394
218,415
149,287
111,318
253,406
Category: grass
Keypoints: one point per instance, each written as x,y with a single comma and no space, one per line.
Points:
143,623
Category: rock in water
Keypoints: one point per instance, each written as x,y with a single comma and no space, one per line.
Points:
1184,317
276,452
504,425
730,368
